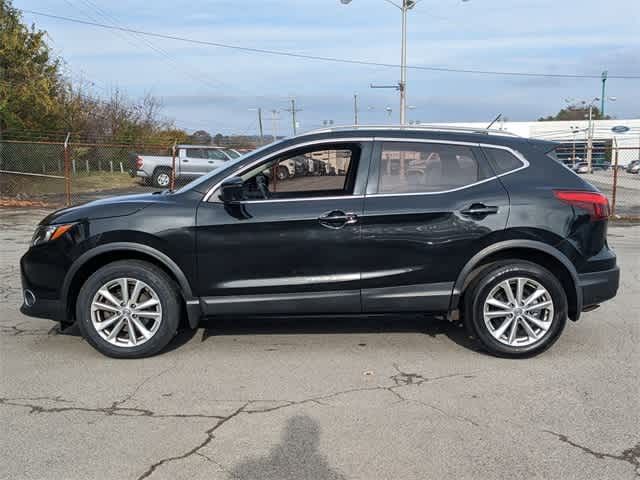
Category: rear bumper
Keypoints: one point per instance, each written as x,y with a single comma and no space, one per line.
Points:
598,287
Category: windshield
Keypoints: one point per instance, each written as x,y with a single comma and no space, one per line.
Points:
229,165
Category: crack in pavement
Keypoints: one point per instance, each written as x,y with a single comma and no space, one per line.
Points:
115,409
218,464
630,455
400,380
195,450
15,330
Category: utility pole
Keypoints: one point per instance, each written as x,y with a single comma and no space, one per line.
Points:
355,109
274,124
293,111
260,126
260,129
602,98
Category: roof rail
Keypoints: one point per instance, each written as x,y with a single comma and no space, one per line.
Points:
427,127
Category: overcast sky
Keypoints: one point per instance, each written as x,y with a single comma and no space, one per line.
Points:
204,87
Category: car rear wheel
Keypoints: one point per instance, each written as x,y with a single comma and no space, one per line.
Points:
128,309
162,177
516,308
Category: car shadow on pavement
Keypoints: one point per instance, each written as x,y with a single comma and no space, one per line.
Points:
294,458
276,325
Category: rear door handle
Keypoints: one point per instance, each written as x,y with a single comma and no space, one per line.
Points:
478,209
337,219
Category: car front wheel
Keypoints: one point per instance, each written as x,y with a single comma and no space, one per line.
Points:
516,308
128,309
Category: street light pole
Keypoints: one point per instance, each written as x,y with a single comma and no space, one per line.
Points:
406,5
590,138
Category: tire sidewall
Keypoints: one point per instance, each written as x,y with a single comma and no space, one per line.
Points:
159,172
154,277
493,276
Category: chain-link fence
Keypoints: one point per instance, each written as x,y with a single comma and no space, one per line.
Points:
55,174
59,174
613,170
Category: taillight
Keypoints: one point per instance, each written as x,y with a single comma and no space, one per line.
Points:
595,203
139,162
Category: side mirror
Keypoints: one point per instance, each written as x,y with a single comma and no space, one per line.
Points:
232,190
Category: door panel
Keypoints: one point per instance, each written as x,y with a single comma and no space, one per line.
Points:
292,245
191,161
415,244
278,257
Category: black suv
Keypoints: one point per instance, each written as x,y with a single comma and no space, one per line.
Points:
484,227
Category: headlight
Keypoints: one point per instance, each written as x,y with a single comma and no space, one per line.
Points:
44,233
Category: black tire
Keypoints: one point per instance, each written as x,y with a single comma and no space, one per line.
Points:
489,277
153,276
162,177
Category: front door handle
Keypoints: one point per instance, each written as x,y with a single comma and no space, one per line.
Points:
337,219
479,209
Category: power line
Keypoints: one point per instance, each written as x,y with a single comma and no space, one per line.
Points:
328,59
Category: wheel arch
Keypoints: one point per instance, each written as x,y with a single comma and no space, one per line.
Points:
97,257
532,251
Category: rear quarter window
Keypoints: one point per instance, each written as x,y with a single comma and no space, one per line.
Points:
502,161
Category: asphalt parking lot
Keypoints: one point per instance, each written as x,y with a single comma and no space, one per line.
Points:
402,398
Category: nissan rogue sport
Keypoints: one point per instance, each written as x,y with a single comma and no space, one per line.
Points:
483,227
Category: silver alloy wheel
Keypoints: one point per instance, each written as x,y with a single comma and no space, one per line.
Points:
163,179
518,312
126,312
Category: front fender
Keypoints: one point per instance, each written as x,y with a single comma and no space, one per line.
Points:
192,304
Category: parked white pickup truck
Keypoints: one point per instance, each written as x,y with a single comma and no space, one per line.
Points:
191,161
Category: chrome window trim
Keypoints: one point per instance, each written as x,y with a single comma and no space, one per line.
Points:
331,141
517,154
303,199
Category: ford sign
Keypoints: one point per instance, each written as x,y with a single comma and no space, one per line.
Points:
620,129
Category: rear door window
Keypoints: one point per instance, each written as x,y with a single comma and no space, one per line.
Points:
195,153
216,154
417,167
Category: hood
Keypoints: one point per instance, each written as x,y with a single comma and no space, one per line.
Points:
104,208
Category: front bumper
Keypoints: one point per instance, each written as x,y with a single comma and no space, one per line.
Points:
41,281
598,287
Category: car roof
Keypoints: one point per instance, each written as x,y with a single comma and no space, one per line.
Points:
433,132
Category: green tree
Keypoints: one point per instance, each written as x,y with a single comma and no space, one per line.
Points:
575,112
30,79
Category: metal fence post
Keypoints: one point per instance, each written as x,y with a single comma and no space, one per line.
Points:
173,166
67,172
615,180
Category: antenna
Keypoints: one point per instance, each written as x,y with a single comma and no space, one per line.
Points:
494,121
